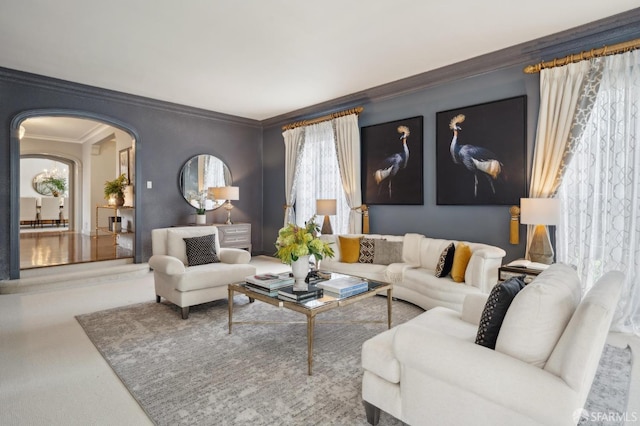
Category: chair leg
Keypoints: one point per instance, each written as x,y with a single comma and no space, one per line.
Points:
373,413
185,312
157,299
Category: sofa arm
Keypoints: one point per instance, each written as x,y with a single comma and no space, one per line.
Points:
470,369
167,264
234,255
472,307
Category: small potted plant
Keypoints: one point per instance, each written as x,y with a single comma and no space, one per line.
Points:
115,189
201,211
55,185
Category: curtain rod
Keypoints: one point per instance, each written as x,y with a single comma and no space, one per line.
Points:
577,57
327,117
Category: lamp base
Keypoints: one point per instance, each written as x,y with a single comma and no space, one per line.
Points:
326,226
228,206
540,249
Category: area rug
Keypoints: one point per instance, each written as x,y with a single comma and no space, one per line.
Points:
193,372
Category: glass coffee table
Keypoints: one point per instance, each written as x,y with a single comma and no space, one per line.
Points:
311,307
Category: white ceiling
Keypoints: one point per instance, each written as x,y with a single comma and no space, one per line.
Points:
63,129
259,59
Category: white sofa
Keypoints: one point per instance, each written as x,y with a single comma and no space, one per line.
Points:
429,370
415,280
191,285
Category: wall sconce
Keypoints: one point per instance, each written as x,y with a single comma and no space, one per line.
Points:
540,212
21,132
514,225
226,193
327,208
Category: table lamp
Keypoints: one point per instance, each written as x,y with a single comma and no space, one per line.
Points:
227,193
540,212
327,208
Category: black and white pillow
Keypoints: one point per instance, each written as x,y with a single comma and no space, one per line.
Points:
201,250
367,250
495,310
445,262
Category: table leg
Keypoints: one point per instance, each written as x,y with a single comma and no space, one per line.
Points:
389,300
230,308
311,319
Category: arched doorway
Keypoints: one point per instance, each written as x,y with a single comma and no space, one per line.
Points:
88,171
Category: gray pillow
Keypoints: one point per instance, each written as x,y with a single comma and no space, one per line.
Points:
387,252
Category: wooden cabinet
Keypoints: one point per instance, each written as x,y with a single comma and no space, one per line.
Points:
236,235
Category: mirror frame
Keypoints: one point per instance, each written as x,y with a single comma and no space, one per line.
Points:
192,198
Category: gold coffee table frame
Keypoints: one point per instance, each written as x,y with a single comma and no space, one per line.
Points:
310,308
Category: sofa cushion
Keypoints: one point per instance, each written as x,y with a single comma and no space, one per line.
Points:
349,249
445,262
176,246
201,250
495,309
367,249
460,261
213,275
387,252
539,314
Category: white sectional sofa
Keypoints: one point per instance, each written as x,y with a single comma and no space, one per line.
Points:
414,277
429,371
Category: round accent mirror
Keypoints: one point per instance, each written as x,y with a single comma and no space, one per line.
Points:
200,173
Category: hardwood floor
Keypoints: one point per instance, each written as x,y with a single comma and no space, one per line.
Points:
52,248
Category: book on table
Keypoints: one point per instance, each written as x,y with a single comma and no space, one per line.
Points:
270,281
262,290
342,295
345,285
289,293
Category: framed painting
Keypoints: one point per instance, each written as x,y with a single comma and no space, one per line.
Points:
124,162
392,162
132,165
480,153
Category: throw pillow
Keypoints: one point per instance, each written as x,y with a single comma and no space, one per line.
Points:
367,249
495,309
349,249
460,261
445,262
387,252
201,250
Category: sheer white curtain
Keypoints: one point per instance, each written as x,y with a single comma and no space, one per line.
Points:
318,177
293,143
600,190
347,136
567,95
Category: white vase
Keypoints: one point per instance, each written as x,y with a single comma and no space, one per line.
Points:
300,269
201,219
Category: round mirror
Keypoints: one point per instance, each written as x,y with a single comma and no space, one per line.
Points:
199,174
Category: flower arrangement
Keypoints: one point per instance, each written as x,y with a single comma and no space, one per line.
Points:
296,241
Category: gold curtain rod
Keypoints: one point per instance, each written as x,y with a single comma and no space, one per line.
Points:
577,57
327,117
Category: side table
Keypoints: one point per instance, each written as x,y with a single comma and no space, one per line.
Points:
505,272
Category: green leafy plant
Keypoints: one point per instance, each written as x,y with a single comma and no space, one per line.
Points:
200,210
115,187
295,241
55,185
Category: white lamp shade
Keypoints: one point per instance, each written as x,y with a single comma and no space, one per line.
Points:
539,211
225,192
326,207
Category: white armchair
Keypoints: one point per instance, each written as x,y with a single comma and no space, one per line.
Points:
430,371
191,285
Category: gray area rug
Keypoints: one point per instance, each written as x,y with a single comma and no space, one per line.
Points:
194,372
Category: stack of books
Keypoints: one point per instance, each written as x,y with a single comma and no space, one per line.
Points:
268,284
344,286
288,293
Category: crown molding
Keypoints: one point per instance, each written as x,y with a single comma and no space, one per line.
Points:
614,29
78,89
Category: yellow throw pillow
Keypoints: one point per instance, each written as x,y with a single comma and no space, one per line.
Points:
460,261
349,249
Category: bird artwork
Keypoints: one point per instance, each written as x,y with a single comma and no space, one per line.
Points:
391,165
476,159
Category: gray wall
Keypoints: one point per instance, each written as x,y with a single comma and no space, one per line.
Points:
486,224
167,135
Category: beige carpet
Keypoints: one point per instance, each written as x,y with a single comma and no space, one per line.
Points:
194,372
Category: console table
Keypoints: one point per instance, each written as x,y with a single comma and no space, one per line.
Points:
235,235
114,211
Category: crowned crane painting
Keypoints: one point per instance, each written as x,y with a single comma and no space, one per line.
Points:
478,160
389,175
480,153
